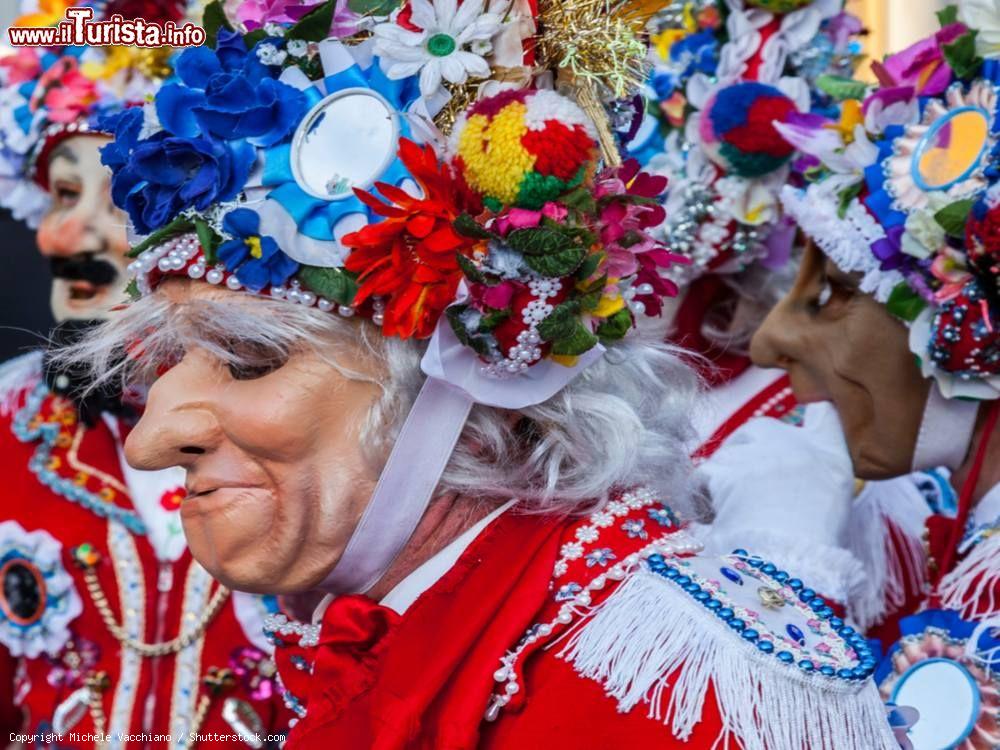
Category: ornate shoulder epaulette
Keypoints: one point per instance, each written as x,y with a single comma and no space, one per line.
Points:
656,622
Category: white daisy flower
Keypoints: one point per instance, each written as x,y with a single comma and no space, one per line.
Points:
452,46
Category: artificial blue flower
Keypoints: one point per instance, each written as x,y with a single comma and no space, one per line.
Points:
697,52
230,94
257,259
125,127
159,177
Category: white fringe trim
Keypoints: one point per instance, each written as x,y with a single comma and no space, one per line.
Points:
973,587
894,564
18,376
647,630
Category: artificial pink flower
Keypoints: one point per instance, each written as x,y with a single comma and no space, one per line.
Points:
256,13
64,92
22,66
921,65
524,218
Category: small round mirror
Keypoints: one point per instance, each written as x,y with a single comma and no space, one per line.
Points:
947,697
951,149
346,141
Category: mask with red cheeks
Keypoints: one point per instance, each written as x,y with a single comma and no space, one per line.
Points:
838,344
83,233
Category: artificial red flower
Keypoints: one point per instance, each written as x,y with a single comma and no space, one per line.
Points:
153,11
410,259
172,499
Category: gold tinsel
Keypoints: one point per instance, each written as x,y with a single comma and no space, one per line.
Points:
595,40
596,49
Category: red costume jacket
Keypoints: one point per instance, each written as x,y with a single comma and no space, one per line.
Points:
99,634
607,631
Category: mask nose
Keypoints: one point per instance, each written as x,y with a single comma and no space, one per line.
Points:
178,424
769,347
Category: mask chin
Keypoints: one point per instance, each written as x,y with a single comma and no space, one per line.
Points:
945,431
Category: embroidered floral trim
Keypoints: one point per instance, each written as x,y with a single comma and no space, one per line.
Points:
53,421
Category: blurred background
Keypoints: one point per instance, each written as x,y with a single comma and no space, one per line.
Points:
24,275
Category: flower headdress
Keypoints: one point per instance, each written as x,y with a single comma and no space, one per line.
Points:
908,197
724,72
293,171
49,94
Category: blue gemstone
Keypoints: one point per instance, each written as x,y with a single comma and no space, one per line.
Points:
750,634
683,580
713,604
736,624
781,576
828,670
806,594
795,634
732,575
740,552
807,665
816,602
725,613
786,656
824,612
755,562
766,646
795,584
836,622
672,573
858,673
692,588
657,559
702,596
845,674
846,631
769,569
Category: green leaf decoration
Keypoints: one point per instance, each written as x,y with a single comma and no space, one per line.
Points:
841,88
539,241
559,264
492,319
179,225
961,56
214,19
373,7
848,195
561,322
466,226
615,327
254,37
905,303
952,218
333,283
454,314
208,240
472,273
315,25
589,266
577,343
948,15
132,290
581,199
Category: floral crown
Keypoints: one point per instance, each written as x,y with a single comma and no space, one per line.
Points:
723,72
262,171
50,94
907,196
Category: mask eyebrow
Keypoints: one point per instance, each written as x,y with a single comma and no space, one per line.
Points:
64,152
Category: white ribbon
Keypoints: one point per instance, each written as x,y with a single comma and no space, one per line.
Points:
945,431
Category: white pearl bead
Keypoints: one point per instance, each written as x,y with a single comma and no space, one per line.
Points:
564,618
645,289
196,271
501,674
307,298
163,264
324,304
378,318
233,283
511,688
544,630
214,276
345,311
637,307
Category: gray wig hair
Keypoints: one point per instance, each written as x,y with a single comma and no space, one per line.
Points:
622,422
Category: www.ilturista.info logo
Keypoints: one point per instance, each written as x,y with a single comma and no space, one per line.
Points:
79,29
